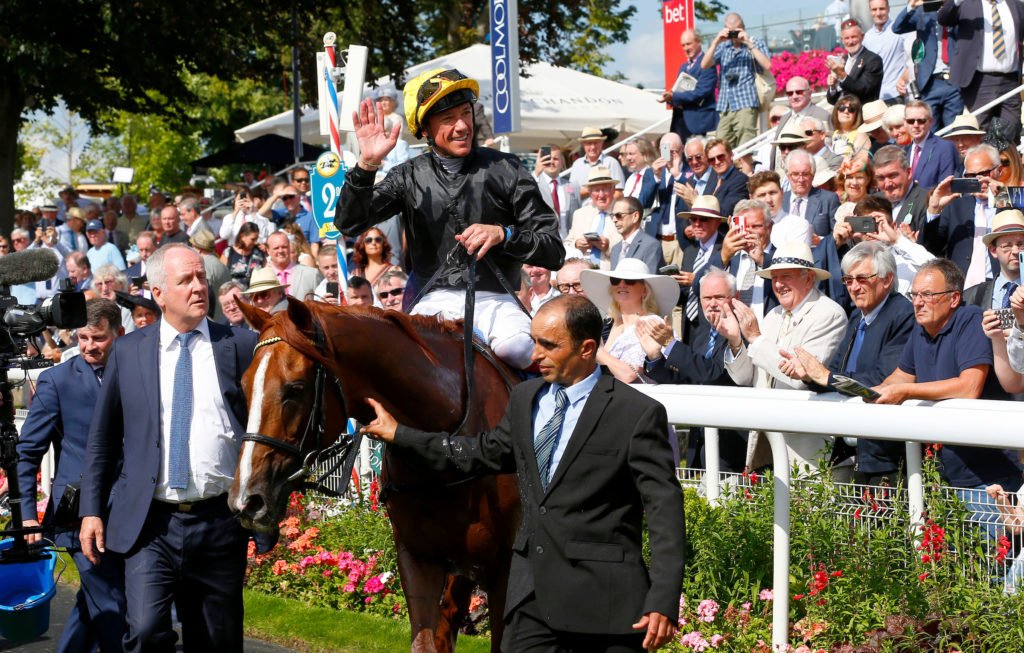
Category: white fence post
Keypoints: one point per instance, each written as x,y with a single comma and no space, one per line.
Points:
780,552
712,478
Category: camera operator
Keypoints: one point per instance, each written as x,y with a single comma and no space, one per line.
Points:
741,57
60,415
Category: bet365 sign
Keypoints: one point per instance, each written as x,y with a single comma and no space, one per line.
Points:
677,16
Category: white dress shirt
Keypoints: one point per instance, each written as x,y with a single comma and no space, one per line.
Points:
213,449
989,63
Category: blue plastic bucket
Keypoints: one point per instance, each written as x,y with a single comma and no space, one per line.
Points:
25,593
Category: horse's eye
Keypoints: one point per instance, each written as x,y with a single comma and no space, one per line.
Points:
294,391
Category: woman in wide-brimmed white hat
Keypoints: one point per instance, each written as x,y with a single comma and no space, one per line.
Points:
626,295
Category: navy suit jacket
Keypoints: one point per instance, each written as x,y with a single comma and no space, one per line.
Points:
969,21
864,80
693,112
732,189
60,414
884,340
937,161
648,187
926,27
664,193
821,209
643,247
951,235
127,422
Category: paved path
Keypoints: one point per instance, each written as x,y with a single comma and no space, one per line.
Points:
61,606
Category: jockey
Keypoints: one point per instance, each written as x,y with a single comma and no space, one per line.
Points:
475,201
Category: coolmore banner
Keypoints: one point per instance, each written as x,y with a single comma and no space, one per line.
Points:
505,65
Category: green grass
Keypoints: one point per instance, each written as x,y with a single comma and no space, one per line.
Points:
295,624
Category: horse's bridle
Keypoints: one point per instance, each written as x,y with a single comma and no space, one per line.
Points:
316,425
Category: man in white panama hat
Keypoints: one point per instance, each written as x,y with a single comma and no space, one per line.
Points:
592,140
266,291
804,318
592,234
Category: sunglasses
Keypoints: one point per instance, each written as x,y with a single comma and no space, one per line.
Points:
394,292
629,282
980,173
698,157
1004,162
811,132
622,215
846,108
373,239
288,197
716,159
917,121
301,180
797,92
774,119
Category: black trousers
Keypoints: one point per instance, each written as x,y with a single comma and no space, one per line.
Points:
528,632
984,88
196,561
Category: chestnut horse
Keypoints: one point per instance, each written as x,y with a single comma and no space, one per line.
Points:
450,531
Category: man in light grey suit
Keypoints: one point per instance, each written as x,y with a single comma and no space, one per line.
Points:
557,192
301,280
626,215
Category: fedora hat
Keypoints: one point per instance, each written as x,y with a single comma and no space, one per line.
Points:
793,255
592,134
263,279
964,125
791,135
704,206
874,114
600,175
596,284
1005,222
203,240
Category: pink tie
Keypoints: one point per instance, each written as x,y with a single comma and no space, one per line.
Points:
554,197
636,182
913,161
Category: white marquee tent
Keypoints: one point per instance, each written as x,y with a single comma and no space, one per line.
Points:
557,103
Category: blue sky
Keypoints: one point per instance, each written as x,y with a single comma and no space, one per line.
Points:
640,59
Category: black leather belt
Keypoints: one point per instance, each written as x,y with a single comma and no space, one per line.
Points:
193,506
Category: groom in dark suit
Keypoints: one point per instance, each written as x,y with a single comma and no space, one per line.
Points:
594,462
173,409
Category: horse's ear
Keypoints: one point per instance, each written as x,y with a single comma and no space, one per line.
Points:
299,314
255,316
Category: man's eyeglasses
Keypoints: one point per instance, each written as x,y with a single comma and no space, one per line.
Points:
394,292
373,239
845,108
565,288
622,215
860,279
926,295
980,173
917,121
1002,247
616,281
717,159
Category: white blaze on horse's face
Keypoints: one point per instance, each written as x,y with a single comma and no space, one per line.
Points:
255,421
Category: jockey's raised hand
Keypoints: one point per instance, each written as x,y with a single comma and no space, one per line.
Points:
374,141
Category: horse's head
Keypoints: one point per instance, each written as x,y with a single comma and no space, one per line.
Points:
295,409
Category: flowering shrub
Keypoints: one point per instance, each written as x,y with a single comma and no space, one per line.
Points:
320,563
809,65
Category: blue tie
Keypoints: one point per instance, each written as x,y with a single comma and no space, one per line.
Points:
710,351
547,440
181,414
858,341
595,255
1011,287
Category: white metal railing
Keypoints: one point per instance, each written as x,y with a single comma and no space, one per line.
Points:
985,107
956,421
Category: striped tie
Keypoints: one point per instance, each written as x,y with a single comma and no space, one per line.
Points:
181,415
547,439
998,42
693,301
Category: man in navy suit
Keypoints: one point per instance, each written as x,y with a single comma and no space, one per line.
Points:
932,159
702,362
626,215
987,62
930,72
693,112
818,207
727,182
869,352
61,412
173,408
860,72
663,224
955,225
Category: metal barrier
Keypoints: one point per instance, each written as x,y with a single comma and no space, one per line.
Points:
957,421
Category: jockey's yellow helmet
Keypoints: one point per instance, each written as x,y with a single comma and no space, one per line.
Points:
435,91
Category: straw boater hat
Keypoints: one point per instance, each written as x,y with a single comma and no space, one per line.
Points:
596,284
203,240
592,134
600,175
964,125
793,255
1005,222
791,135
263,279
75,213
874,114
704,206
